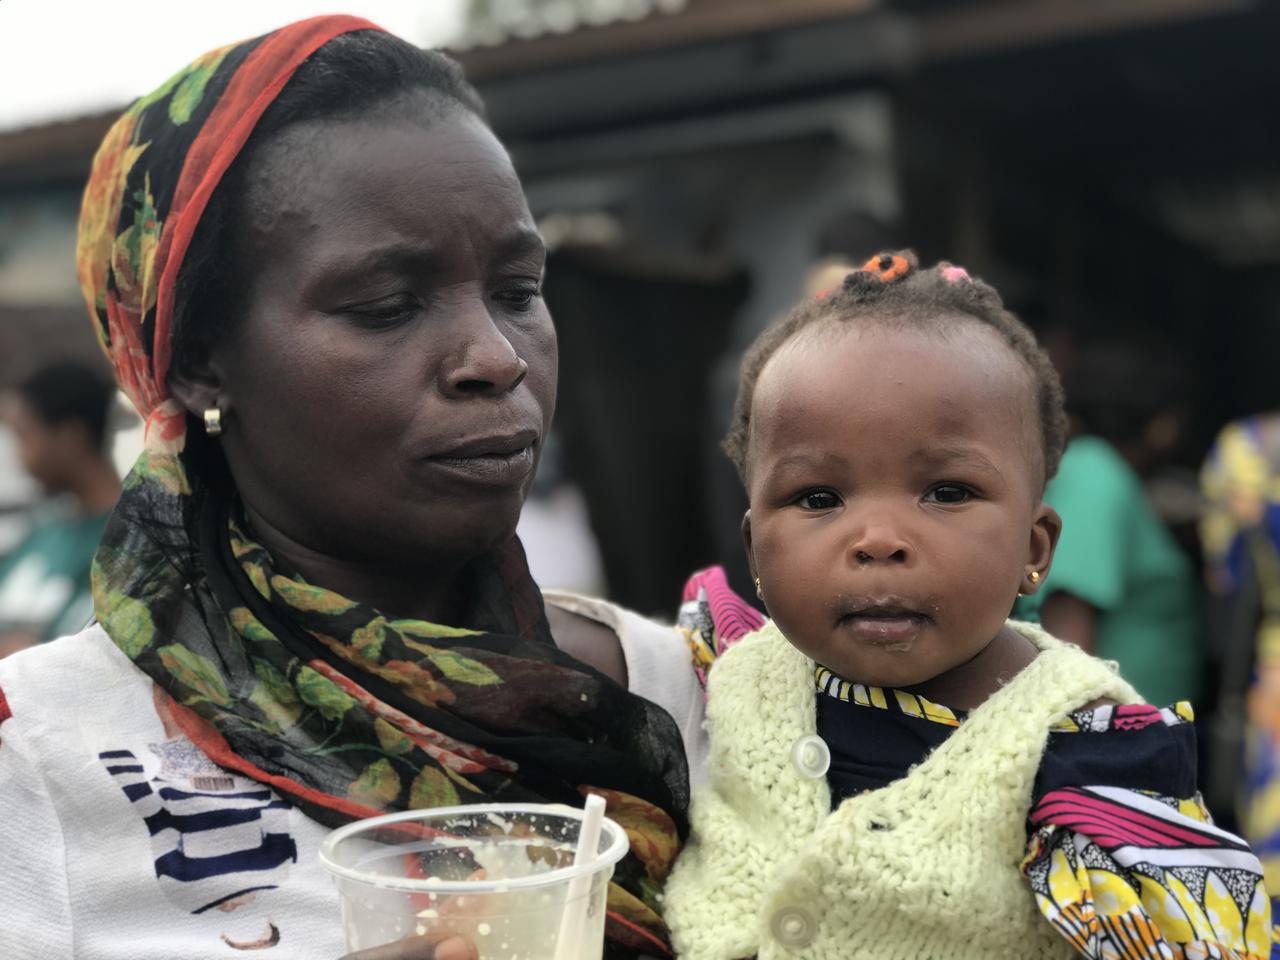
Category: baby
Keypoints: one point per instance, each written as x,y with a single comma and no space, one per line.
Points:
897,770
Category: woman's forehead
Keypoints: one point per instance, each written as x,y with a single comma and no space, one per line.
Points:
383,182
322,163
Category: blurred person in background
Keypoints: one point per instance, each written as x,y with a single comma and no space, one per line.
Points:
1240,534
1120,586
58,416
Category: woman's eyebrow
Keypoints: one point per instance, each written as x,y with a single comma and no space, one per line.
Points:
390,258
521,242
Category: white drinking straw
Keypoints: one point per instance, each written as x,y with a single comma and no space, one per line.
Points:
569,942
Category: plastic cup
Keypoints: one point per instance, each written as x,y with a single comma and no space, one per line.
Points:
497,874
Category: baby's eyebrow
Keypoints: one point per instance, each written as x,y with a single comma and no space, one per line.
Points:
950,454
806,459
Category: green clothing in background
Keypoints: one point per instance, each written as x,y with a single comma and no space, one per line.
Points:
1116,555
44,582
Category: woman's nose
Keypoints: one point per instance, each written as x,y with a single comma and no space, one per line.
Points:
483,362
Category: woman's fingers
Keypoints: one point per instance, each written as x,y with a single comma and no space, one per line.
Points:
439,945
452,947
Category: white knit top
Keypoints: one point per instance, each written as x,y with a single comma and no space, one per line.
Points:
926,867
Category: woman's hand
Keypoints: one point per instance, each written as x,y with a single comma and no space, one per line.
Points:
439,944
445,946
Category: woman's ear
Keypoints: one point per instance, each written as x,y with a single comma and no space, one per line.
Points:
198,387
1046,529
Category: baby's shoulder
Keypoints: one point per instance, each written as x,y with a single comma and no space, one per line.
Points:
1133,746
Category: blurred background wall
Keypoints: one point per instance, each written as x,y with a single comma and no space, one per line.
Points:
1108,164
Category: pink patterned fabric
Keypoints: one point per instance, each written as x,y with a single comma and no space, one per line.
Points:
714,618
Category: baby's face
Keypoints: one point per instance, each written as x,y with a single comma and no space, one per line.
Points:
895,496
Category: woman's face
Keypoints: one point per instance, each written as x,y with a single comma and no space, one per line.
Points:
390,381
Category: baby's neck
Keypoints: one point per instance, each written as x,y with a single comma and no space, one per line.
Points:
966,686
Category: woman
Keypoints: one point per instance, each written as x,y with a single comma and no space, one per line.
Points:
316,274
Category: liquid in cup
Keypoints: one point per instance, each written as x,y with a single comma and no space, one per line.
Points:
497,874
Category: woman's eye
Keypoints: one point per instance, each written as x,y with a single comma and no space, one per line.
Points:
385,313
819,500
949,493
518,297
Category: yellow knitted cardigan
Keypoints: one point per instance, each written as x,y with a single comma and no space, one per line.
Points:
926,868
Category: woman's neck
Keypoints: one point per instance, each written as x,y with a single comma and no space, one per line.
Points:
436,594
966,686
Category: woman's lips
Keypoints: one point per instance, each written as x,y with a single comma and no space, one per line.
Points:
500,460
489,469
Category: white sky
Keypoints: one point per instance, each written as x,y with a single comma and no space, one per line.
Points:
64,58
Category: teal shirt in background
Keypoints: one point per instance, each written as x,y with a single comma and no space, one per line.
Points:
1117,555
44,581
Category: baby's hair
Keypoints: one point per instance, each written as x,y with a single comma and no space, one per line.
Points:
892,288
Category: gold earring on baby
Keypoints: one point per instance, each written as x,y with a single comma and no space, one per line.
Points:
213,421
759,592
1034,577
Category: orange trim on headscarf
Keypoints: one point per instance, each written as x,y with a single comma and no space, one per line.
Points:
251,91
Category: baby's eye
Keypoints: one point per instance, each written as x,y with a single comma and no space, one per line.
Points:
818,500
949,493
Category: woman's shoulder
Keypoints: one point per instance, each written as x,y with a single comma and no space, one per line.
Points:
54,685
49,664
597,632
645,643
659,664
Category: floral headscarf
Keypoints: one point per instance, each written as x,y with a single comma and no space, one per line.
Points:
347,711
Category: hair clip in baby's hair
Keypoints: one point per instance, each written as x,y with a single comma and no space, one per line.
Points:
953,274
887,267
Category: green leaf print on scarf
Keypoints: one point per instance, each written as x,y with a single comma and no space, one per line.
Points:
274,695
134,253
368,640
249,627
377,787
196,673
392,740
319,691
429,631
431,788
159,468
310,599
462,669
191,90
454,666
127,620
